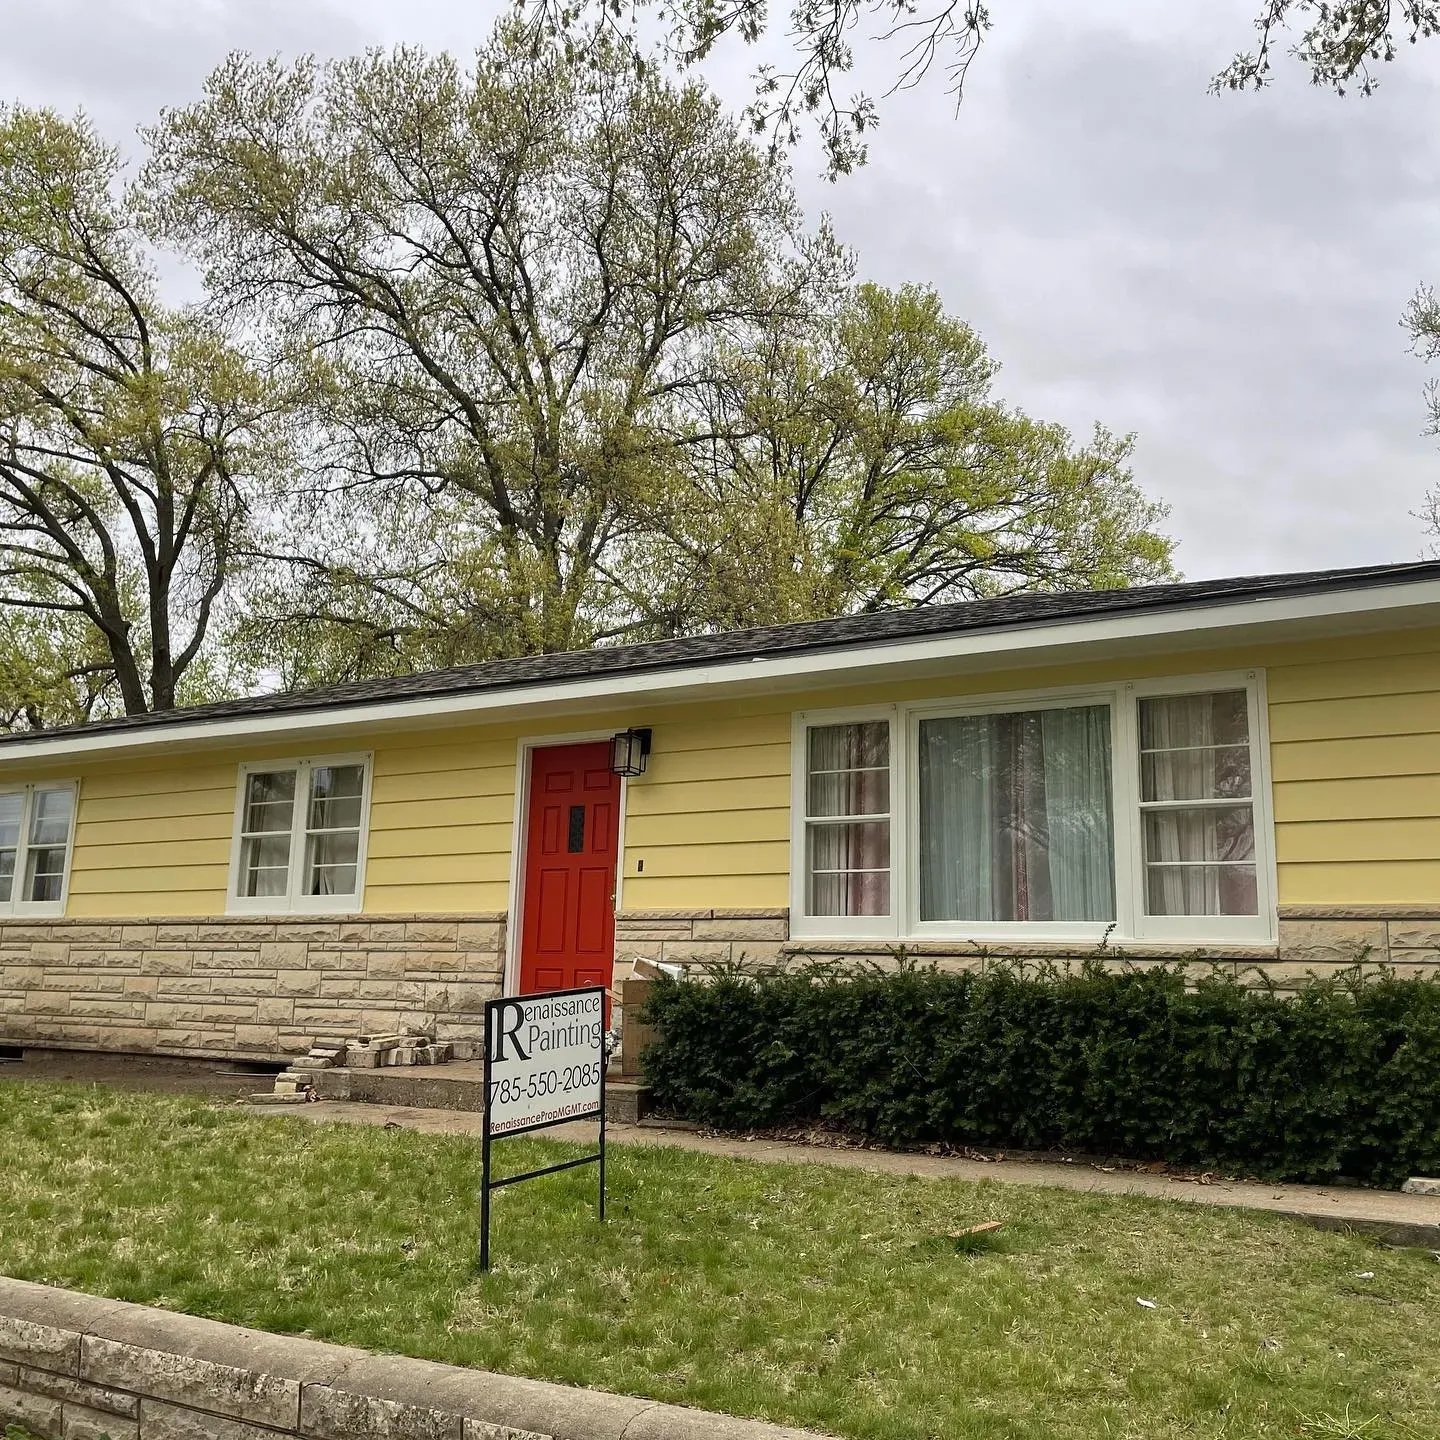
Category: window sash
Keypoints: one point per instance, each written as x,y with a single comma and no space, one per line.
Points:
303,888
36,846
1199,864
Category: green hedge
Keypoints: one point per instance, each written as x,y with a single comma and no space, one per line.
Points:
1339,1079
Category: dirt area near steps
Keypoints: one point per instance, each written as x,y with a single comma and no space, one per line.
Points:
222,1078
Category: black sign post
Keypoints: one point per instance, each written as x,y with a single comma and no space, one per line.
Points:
544,1066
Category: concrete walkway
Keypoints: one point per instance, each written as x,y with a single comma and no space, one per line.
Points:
1397,1219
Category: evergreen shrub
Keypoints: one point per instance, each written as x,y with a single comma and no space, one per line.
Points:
1338,1079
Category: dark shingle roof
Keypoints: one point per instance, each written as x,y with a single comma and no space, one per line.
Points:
889,627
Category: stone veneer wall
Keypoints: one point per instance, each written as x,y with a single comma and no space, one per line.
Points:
263,989
1313,941
244,987
690,937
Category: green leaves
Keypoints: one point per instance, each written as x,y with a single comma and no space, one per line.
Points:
1340,1079
857,461
1336,41
493,281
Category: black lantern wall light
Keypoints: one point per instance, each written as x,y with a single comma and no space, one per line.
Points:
629,750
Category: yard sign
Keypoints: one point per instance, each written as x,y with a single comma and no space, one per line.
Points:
544,1066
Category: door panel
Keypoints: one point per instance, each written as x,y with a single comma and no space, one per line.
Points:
567,936
590,931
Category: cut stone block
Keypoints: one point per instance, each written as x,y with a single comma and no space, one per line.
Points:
34,1412
198,1384
1421,1185
80,1423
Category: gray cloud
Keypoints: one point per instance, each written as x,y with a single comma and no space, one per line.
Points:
122,59
1223,276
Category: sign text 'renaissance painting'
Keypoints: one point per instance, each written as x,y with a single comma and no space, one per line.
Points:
547,1058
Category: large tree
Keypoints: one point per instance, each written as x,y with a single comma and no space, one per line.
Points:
496,277
1341,43
859,461
853,459
132,439
577,373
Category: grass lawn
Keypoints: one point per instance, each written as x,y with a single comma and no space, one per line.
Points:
813,1296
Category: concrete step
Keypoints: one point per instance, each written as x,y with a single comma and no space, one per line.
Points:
626,1103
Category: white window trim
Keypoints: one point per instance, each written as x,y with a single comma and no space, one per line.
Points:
1131,923
15,905
292,903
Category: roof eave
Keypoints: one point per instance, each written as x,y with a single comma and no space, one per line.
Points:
1188,626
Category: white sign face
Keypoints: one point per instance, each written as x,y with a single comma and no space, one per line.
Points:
546,1058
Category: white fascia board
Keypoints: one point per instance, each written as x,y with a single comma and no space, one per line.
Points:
1189,627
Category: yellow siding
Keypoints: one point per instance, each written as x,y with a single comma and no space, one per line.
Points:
711,818
441,814
1355,731
153,839
1355,751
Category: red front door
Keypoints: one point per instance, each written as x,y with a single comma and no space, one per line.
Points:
572,841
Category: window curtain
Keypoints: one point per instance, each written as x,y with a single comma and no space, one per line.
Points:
1016,816
849,774
1200,860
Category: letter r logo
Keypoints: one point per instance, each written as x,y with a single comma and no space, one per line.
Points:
502,1033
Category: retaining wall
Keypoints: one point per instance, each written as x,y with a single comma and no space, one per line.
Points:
73,1367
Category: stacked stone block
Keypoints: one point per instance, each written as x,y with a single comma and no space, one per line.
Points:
243,987
76,1367
264,989
691,937
1405,937
1314,941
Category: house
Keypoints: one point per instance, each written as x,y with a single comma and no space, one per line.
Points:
1249,767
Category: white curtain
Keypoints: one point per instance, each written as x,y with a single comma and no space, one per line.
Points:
1198,861
1016,817
849,774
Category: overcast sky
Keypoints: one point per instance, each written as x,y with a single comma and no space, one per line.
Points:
1222,276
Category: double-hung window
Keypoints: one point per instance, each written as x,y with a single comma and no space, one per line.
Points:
846,805
1202,846
1131,810
37,824
300,836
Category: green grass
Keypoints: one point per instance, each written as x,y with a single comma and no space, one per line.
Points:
814,1296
